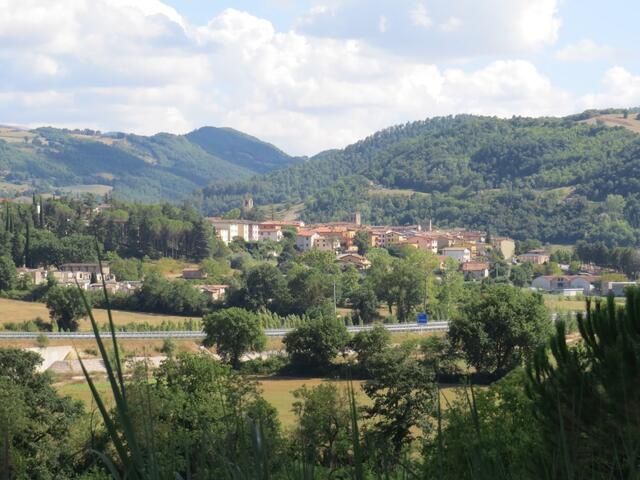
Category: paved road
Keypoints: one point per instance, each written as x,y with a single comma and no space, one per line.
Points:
270,332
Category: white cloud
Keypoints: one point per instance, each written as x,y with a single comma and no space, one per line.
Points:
117,65
465,28
622,90
382,24
420,17
451,25
585,51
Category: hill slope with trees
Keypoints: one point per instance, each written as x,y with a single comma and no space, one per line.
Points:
153,168
555,179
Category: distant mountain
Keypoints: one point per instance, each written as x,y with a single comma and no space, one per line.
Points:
158,167
554,179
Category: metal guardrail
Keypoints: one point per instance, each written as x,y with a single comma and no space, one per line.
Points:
270,332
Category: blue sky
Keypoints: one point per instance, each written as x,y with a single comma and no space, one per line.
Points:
310,75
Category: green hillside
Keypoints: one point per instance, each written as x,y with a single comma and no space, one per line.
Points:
557,180
154,168
239,148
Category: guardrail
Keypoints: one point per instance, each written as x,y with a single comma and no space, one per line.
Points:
270,332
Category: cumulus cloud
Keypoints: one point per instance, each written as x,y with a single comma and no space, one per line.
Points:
491,27
621,90
141,67
585,51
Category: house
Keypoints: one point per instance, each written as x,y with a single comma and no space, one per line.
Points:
36,276
505,245
228,230
537,257
215,292
306,239
617,289
358,261
461,254
83,273
564,284
390,237
475,269
421,242
327,243
194,274
273,233
85,267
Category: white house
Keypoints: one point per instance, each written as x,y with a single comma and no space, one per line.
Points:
616,288
227,230
461,254
566,284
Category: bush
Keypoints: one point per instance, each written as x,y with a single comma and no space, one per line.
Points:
42,340
315,344
169,346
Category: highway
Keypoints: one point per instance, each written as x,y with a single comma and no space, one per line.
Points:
270,332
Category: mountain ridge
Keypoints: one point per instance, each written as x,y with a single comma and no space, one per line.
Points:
159,167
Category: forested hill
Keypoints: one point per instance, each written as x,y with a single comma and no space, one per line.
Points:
557,180
150,169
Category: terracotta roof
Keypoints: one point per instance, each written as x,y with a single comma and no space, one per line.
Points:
474,266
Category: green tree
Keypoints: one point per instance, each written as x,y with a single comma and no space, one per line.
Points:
403,392
234,331
8,273
265,287
522,275
323,425
316,343
362,241
37,423
586,396
500,327
365,303
369,343
66,307
201,234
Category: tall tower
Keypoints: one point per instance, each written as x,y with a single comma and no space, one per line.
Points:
357,218
247,204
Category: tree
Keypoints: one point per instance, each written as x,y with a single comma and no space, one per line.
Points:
8,273
324,424
522,275
365,303
66,307
35,420
266,287
200,248
500,327
369,343
233,331
586,396
315,344
362,241
403,392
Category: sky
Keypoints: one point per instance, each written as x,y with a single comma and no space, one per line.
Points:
310,75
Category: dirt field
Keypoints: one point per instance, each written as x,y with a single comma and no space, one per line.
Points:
18,311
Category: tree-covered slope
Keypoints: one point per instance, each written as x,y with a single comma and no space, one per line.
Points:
159,167
240,148
547,178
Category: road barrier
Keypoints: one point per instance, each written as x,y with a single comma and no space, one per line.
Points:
270,332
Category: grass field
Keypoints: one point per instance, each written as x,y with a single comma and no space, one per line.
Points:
278,391
19,311
394,192
558,304
94,189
